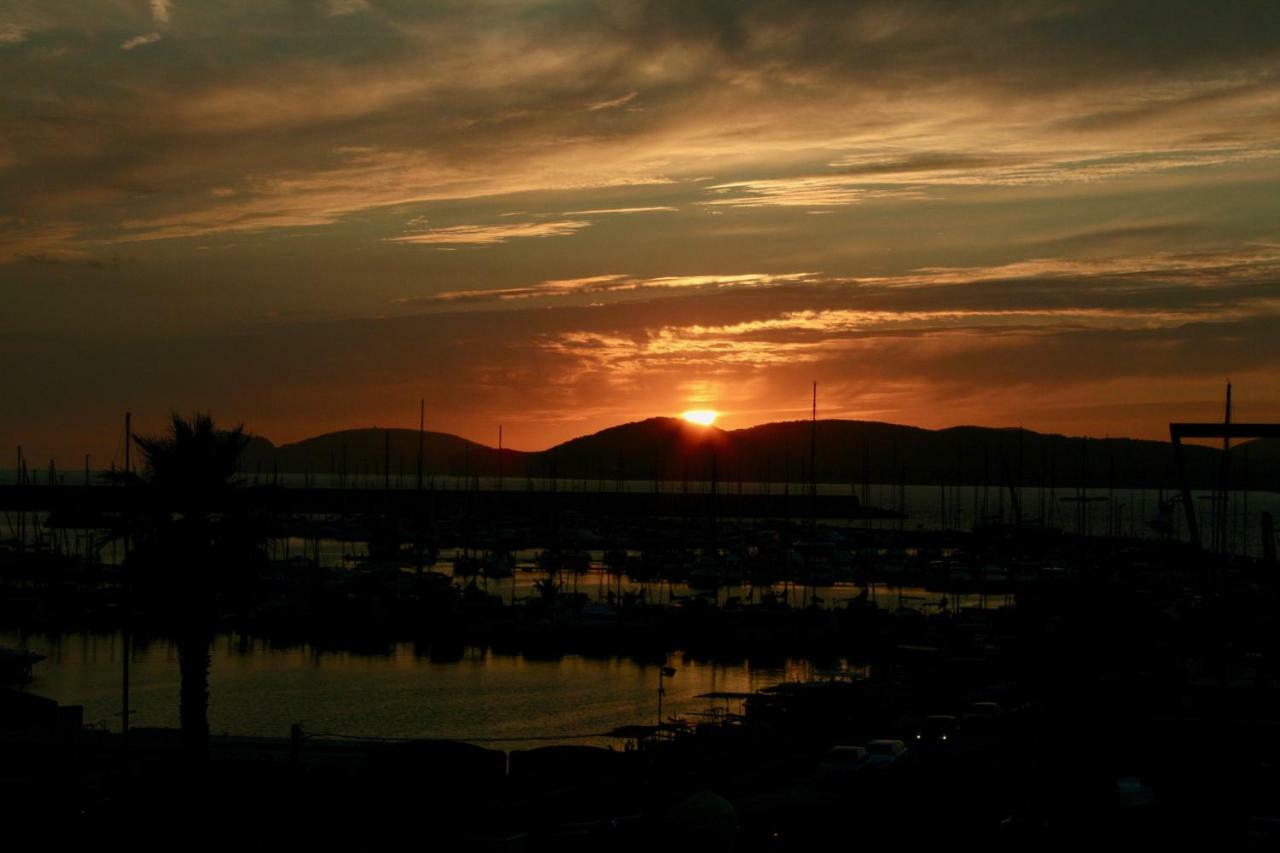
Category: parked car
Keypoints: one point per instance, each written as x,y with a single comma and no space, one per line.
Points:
884,753
938,729
982,717
840,763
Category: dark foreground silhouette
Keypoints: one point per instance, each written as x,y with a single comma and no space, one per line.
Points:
1129,692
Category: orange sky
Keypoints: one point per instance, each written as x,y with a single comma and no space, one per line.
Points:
560,215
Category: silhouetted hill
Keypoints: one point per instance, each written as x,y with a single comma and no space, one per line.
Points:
666,448
869,451
845,451
1262,452
365,452
258,448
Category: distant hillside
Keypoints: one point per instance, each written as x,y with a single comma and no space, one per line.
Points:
845,452
666,448
364,452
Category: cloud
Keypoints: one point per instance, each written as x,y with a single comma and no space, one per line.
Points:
1122,350
815,191
160,12
612,102
656,209
21,240
159,17
490,234
860,172
339,8
1102,212
614,283
822,107
1155,288
11,33
555,287
139,41
953,332
1259,260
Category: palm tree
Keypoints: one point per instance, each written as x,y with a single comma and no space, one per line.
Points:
185,540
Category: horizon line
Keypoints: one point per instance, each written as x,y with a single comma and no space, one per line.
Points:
676,418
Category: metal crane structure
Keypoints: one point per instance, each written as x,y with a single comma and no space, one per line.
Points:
1225,431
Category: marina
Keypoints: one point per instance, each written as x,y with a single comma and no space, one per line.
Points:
564,426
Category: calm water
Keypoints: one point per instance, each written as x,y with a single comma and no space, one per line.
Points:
597,583
259,690
1119,511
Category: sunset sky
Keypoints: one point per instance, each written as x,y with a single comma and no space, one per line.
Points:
563,215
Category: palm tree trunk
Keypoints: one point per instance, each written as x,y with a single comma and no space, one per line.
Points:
193,694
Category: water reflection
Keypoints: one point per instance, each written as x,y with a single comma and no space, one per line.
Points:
475,694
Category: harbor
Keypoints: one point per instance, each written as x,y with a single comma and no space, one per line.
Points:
555,668
564,425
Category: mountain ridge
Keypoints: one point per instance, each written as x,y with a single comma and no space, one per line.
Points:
844,451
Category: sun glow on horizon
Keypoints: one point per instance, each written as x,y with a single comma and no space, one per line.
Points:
702,417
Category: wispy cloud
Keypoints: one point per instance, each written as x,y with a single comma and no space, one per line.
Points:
613,102
139,41
813,191
612,284
160,12
159,18
772,104
1258,260
22,240
860,178
475,235
1098,219
1091,170
962,327
340,8
602,210
11,33
554,287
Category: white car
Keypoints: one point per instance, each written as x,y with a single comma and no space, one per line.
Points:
841,762
884,752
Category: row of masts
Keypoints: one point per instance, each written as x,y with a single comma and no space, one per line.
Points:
1225,528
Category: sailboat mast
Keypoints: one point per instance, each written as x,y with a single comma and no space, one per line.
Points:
813,457
125,637
422,423
1224,497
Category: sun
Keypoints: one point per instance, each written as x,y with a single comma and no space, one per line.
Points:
702,417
